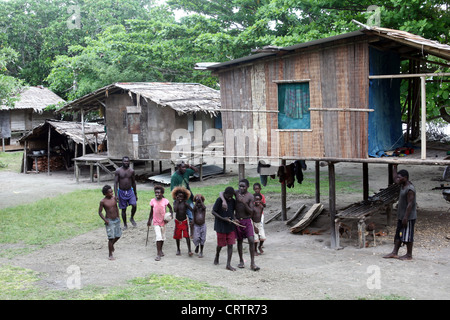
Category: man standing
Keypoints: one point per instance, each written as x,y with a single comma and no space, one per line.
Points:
125,190
180,178
406,215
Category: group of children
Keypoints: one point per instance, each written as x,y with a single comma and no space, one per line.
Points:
238,215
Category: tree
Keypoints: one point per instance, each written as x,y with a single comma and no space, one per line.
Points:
40,30
159,49
9,86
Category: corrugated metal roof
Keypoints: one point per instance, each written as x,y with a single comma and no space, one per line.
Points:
36,98
182,97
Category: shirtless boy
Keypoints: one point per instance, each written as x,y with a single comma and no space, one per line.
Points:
125,190
180,206
199,237
111,219
244,212
258,223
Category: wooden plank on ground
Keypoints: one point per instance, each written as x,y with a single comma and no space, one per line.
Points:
309,217
296,214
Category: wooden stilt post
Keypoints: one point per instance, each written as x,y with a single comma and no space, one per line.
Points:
332,202
365,181
48,148
283,196
317,182
241,171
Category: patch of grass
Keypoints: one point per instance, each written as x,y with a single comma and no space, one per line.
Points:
21,284
11,161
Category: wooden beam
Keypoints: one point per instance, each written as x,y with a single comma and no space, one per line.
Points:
317,182
423,121
283,196
365,181
332,202
408,75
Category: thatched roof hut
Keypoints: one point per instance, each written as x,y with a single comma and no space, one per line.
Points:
28,112
141,117
61,140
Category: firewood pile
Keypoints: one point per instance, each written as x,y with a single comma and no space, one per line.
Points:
56,163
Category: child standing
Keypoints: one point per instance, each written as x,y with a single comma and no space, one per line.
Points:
199,237
257,223
111,219
180,206
261,237
158,208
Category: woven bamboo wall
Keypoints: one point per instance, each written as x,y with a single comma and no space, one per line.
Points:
338,79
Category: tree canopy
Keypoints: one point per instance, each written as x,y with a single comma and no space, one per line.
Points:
77,47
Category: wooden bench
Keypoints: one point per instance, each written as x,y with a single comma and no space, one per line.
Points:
361,211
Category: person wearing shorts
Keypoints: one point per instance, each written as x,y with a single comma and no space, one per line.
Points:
158,208
224,225
111,218
244,212
406,214
125,190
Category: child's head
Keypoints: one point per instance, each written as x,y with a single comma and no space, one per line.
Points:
180,193
243,185
159,191
257,197
228,193
257,187
105,189
199,199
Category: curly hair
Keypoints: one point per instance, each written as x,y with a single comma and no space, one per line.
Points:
159,187
105,189
177,190
200,197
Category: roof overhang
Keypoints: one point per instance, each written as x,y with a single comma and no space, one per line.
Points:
414,45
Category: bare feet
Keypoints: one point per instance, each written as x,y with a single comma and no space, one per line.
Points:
133,222
391,256
216,260
241,265
111,258
230,268
405,257
178,253
254,267
158,258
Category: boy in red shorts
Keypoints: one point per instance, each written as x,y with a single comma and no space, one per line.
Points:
180,206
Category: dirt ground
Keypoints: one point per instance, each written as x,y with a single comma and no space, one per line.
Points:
293,266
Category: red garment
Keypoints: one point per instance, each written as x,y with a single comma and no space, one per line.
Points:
181,229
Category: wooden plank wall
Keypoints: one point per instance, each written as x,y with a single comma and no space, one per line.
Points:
338,79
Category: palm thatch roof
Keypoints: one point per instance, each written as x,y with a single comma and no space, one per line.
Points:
36,98
72,130
181,97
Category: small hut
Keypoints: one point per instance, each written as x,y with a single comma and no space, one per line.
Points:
52,145
28,112
333,100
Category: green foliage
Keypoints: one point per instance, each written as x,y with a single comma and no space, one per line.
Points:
136,40
9,85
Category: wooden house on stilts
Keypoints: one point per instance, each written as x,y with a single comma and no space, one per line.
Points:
331,100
